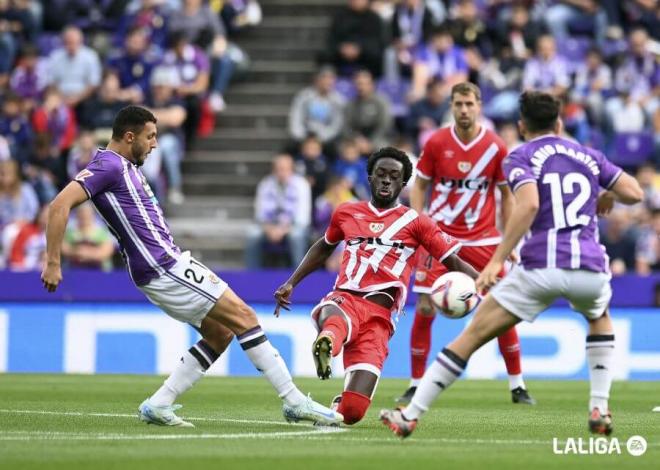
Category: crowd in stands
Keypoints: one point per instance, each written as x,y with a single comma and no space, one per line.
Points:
384,77
67,67
388,68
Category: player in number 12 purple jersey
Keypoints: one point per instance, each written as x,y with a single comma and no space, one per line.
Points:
560,187
181,286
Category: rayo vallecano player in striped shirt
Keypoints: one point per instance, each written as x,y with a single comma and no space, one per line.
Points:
557,184
184,288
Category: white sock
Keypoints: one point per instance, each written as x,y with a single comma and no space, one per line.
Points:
443,372
516,381
415,382
600,355
268,361
191,368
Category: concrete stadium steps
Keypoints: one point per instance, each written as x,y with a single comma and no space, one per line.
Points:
255,115
222,208
281,72
221,173
261,94
302,7
245,139
221,185
228,163
215,241
275,51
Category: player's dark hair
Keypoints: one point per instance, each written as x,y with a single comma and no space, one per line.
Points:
539,111
394,153
131,119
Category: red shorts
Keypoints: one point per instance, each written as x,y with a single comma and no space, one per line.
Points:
369,330
429,269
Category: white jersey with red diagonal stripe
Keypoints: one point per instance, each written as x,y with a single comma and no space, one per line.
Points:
380,245
463,178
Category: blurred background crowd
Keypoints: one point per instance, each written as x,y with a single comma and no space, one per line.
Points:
383,77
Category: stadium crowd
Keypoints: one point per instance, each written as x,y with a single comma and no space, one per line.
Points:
388,68
66,67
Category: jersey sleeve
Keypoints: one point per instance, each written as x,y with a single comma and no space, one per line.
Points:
518,170
425,162
334,233
609,172
99,176
438,243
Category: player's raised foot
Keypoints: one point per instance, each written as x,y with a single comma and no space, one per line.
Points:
600,423
407,396
522,396
395,420
322,354
161,415
309,410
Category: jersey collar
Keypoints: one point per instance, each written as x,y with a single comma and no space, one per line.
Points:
382,213
472,143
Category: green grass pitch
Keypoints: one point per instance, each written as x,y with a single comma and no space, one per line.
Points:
89,422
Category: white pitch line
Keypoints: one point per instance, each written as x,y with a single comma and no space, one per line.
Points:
444,440
31,436
127,415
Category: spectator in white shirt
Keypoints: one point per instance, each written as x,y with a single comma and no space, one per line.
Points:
75,69
283,214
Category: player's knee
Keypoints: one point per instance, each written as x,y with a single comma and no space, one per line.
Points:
353,406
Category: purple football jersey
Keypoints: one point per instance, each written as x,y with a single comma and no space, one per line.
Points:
564,233
122,196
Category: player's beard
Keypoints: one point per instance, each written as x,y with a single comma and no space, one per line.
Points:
139,154
467,124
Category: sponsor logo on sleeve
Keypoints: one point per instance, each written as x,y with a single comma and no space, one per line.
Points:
83,175
515,173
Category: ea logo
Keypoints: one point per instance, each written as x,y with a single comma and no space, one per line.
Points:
636,446
515,173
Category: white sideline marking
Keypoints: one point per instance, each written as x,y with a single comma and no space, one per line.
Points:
443,440
134,416
38,435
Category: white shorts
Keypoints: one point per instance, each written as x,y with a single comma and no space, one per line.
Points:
526,293
187,292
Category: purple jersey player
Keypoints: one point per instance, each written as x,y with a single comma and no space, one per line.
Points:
184,288
560,187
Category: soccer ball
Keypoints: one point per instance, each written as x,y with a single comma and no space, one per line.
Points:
454,294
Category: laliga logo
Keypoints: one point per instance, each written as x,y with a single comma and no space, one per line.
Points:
635,445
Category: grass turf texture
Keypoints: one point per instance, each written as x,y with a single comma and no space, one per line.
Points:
472,425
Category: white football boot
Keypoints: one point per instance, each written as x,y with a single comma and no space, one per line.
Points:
161,415
309,410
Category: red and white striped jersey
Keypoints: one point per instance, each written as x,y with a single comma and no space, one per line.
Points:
380,246
463,178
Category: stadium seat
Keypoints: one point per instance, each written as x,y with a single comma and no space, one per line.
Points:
395,91
574,50
631,149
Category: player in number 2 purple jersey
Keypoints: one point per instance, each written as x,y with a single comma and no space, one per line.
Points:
557,184
184,288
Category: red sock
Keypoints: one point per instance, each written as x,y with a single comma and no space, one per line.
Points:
510,349
335,327
353,406
420,344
